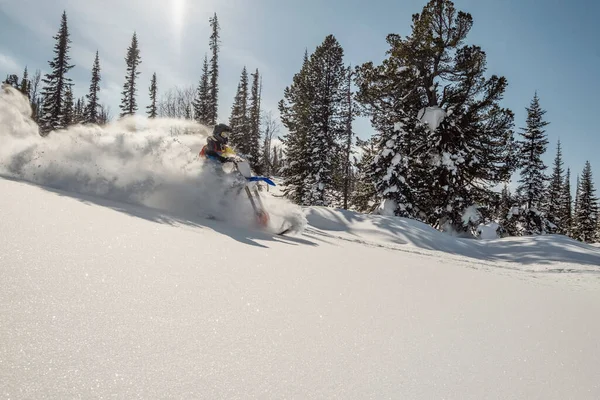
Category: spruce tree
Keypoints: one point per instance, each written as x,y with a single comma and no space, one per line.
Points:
254,123
295,116
312,110
586,213
56,82
566,222
133,60
553,201
201,102
444,142
239,121
153,91
68,112
531,190
213,73
91,109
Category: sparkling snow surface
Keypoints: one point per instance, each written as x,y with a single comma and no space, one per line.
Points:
101,299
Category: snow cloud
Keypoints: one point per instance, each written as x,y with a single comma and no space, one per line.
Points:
137,160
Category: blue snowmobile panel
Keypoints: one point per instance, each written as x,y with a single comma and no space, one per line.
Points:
261,178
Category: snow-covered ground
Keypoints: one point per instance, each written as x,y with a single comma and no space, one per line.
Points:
115,285
104,299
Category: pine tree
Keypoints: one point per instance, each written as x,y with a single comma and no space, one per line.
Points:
443,140
128,101
56,82
68,116
312,110
25,84
531,190
553,204
213,88
152,107
91,109
586,213
295,112
201,102
239,121
254,123
566,222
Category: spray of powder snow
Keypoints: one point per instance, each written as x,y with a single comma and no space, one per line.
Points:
135,160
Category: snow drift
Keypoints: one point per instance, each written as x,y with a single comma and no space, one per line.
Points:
547,253
151,162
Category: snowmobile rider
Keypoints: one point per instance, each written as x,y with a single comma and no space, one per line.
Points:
216,144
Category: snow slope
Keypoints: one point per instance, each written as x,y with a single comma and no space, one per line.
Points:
115,285
106,299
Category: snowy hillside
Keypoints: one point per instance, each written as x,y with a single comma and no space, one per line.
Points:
115,284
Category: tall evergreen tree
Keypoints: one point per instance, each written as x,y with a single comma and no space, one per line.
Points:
586,213
566,201
201,102
213,88
68,113
553,205
254,122
444,143
56,81
153,91
239,120
133,60
91,109
295,116
312,112
531,190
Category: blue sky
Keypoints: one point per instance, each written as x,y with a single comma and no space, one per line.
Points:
545,45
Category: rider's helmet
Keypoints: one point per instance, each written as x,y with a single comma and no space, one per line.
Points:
221,133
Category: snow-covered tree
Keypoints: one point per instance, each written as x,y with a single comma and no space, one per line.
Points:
91,109
254,122
153,92
586,213
532,183
56,82
239,120
444,141
553,201
201,101
133,60
312,112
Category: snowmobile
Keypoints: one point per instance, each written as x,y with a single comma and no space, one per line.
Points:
249,183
